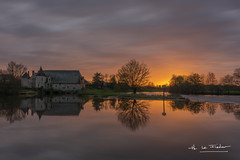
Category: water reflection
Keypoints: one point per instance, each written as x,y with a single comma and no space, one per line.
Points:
132,113
9,109
231,108
210,108
101,103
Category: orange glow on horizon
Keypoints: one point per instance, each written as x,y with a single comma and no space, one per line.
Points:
162,83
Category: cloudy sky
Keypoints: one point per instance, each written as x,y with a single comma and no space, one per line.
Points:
170,36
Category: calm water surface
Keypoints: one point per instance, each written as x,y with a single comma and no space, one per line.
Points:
78,128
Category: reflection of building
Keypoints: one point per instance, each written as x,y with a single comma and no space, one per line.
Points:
66,80
57,106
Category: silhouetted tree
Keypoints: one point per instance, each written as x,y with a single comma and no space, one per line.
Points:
227,80
236,75
176,80
16,70
211,79
113,81
134,74
194,79
97,80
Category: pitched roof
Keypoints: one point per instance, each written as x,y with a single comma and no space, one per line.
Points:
64,76
25,75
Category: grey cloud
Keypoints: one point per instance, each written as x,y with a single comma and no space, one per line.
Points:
106,31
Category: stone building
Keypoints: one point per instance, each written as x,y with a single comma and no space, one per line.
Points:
65,80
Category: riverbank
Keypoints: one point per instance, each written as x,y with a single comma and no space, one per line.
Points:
101,93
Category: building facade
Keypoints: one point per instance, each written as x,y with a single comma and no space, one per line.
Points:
64,80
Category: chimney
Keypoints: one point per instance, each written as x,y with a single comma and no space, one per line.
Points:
32,73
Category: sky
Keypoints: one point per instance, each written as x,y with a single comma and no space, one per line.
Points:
170,36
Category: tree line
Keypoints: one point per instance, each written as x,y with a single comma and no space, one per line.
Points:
201,84
132,75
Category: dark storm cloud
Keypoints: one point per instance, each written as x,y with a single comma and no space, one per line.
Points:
76,33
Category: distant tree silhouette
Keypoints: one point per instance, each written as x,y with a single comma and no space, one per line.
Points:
16,70
227,80
134,74
211,79
98,80
194,79
112,81
236,75
176,80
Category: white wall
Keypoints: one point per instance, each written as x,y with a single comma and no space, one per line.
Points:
40,82
67,87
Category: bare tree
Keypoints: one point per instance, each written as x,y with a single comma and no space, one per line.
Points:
16,70
211,78
236,75
227,80
134,74
202,77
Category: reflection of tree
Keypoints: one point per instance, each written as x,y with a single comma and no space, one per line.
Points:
232,108
211,108
98,103
195,107
13,114
9,108
132,113
227,107
177,104
113,102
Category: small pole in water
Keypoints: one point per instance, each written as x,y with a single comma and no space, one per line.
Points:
164,87
164,113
